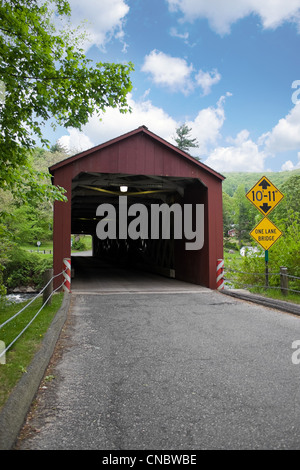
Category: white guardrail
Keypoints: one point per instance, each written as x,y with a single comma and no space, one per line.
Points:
66,285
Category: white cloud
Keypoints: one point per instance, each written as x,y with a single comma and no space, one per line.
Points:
171,72
207,79
75,141
176,74
174,33
285,135
114,123
222,14
289,165
243,155
205,127
102,19
240,154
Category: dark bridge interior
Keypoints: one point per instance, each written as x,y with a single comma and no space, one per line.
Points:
89,190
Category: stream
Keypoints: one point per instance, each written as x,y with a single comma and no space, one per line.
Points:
20,297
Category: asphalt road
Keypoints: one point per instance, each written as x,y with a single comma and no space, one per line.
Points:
169,371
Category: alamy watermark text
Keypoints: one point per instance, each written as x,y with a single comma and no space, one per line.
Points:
160,222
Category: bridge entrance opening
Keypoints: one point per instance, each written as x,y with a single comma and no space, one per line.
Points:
121,201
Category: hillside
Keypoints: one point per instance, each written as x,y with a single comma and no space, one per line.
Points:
233,180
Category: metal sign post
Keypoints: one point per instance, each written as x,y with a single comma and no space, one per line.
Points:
266,268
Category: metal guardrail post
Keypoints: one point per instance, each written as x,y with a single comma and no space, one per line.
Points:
2,353
284,283
48,276
266,269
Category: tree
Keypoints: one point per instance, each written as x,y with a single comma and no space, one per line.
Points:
183,139
30,224
46,75
57,147
289,206
228,213
244,215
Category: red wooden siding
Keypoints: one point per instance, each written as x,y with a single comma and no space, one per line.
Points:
141,152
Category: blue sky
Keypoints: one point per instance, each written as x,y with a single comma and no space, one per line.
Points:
225,68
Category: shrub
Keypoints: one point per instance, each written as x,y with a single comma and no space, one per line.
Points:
24,269
285,252
79,245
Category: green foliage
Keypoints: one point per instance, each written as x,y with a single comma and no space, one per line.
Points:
183,138
30,224
228,213
46,76
79,245
25,269
286,212
20,355
233,180
26,222
6,246
230,245
238,214
2,287
285,252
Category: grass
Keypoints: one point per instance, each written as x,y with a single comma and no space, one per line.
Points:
48,246
44,246
19,356
234,260
277,295
231,259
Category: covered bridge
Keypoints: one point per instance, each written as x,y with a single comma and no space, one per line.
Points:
153,171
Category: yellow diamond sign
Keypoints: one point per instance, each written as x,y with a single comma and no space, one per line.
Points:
266,233
264,196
